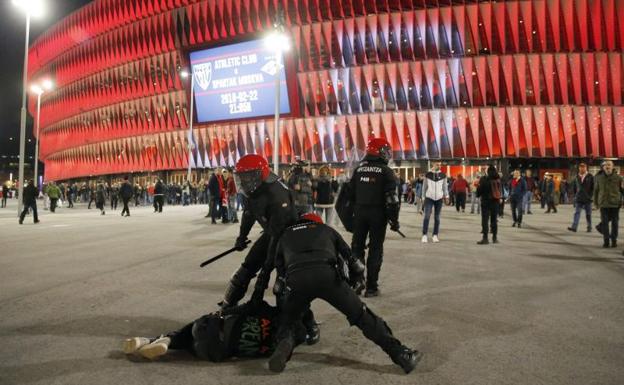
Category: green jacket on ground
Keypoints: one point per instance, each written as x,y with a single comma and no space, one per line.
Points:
607,190
53,192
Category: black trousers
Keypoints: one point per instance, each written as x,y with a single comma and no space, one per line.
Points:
516,209
159,200
612,215
489,218
90,201
126,209
460,201
4,201
114,201
322,281
369,222
33,206
53,204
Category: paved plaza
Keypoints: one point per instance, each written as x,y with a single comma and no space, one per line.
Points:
545,306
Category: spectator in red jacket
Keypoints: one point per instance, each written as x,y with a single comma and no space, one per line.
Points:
230,189
460,189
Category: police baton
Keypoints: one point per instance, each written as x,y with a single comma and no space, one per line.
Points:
223,254
399,231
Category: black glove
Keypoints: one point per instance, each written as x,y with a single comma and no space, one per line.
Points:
279,286
394,225
241,243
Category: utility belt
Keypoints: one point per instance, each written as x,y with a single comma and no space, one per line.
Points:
295,267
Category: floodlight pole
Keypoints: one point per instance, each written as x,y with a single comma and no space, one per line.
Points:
35,180
276,144
23,120
190,133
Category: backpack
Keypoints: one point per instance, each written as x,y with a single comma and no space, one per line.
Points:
495,185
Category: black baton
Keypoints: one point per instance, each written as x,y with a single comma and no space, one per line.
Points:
223,254
400,233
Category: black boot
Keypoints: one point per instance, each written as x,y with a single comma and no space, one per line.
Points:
406,358
372,292
281,355
484,241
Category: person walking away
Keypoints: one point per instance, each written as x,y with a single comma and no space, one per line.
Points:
232,196
474,200
126,192
29,199
607,192
583,189
435,190
159,196
216,188
460,189
517,189
324,195
100,197
54,193
91,196
549,193
5,194
528,196
490,191
114,196
70,196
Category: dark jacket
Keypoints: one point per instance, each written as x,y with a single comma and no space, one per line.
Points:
214,187
30,194
372,182
484,190
126,191
324,191
518,192
159,188
583,190
100,193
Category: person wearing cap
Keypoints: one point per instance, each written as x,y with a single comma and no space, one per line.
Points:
313,261
583,187
607,190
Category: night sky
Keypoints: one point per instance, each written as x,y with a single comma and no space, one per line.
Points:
12,31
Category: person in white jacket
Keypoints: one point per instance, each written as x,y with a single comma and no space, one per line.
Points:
434,193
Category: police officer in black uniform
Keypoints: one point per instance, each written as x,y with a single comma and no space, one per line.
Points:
313,261
269,202
374,196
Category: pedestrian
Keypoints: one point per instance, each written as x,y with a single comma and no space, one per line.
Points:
324,195
29,200
100,197
435,191
269,203
607,190
528,196
418,199
91,196
5,194
474,199
216,186
309,260
70,196
517,194
490,192
114,196
231,193
460,189
126,192
548,190
583,188
54,193
159,196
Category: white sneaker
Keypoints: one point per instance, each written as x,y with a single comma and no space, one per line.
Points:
424,239
155,349
435,239
131,345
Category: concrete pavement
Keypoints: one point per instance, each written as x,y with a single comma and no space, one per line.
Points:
545,306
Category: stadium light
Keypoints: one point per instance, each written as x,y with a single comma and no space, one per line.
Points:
39,89
184,74
278,42
34,8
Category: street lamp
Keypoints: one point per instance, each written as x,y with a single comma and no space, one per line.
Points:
45,85
278,42
30,8
185,74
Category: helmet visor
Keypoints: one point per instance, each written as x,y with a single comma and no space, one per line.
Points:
247,182
385,152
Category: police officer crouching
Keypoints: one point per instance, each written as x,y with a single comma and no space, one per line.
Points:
313,261
373,193
270,203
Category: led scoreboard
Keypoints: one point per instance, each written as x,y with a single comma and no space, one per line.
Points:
237,81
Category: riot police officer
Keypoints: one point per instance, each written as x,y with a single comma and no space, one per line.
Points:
313,261
270,203
375,202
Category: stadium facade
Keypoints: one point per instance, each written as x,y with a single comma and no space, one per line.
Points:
439,79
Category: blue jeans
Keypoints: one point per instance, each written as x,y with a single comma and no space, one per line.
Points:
578,207
526,204
437,206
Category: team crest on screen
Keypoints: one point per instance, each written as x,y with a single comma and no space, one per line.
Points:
271,67
203,75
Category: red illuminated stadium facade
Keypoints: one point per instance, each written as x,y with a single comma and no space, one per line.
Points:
439,79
